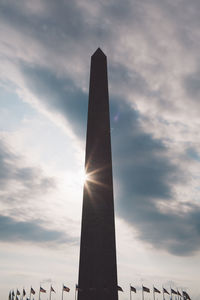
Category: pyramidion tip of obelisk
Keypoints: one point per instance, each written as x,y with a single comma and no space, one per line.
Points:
98,52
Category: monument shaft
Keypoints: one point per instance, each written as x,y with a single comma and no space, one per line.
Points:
97,266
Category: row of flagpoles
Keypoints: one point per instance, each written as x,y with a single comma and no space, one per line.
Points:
180,296
14,296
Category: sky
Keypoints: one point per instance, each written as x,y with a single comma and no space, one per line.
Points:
153,53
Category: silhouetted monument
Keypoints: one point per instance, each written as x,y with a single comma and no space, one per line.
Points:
97,266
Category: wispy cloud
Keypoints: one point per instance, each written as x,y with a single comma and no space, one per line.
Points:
31,232
145,170
153,80
17,180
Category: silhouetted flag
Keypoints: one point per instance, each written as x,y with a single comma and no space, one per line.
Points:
24,292
119,288
42,290
78,288
52,290
174,292
186,296
179,294
66,289
146,289
32,291
165,291
156,290
133,289
18,293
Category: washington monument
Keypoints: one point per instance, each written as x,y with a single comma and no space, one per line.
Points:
97,266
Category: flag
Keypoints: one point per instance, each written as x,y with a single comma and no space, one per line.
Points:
66,289
186,296
179,294
145,289
18,293
119,288
32,291
24,292
133,289
78,288
10,296
42,290
174,292
52,290
165,291
156,290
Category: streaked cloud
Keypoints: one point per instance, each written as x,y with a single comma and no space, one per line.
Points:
26,180
153,60
145,171
32,232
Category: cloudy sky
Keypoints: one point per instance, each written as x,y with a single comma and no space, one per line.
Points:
153,53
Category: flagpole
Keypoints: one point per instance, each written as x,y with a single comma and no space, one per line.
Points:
75,291
182,293
153,293
162,293
39,294
142,293
50,294
30,293
130,292
171,292
62,293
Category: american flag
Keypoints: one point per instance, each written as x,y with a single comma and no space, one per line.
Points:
66,289
18,292
165,291
78,288
146,289
42,290
119,288
133,289
156,290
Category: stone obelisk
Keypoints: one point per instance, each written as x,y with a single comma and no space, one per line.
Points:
97,266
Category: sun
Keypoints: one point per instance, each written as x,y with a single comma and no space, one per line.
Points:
84,177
